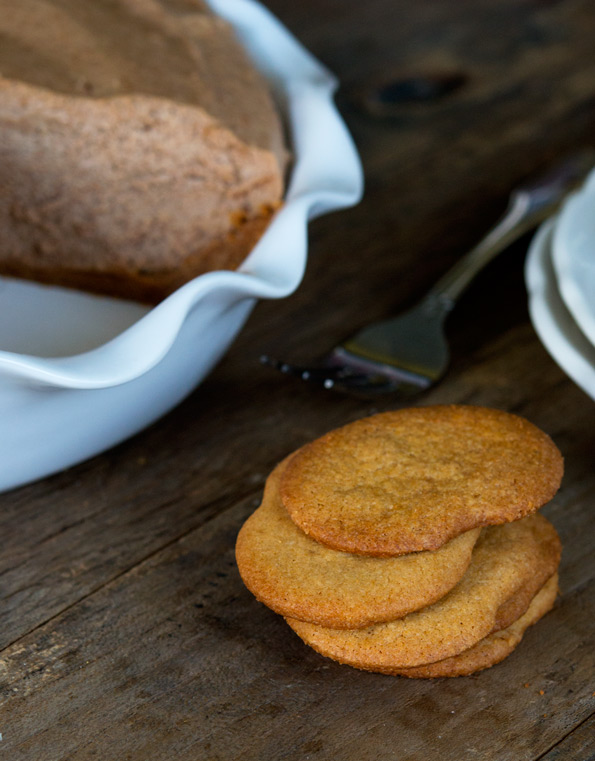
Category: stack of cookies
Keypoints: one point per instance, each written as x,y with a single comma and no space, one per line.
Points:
408,542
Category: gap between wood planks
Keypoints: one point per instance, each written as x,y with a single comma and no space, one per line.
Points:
544,755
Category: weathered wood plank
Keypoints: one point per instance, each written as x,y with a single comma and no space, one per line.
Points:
175,659
68,539
427,198
579,745
125,632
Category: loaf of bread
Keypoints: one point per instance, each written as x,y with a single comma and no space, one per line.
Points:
139,147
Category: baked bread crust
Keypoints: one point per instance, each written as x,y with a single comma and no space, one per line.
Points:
157,157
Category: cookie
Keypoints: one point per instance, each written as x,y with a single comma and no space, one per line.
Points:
412,479
300,578
493,648
507,560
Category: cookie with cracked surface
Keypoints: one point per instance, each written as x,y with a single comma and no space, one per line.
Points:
509,561
412,479
495,647
296,576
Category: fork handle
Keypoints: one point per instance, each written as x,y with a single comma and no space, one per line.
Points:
528,206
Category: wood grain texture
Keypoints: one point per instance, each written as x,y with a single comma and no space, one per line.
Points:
125,631
579,745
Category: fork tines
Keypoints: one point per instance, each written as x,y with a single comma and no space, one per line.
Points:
338,377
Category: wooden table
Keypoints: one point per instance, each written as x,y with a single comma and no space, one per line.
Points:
126,632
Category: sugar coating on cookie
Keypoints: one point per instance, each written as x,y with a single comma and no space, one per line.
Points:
493,648
507,559
296,576
412,479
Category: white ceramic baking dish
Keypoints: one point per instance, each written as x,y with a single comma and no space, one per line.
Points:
80,373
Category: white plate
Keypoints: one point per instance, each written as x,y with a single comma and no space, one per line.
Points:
553,322
573,255
80,373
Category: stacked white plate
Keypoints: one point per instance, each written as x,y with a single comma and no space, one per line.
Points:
560,276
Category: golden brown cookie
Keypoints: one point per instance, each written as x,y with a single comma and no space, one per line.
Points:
412,479
506,559
298,577
493,648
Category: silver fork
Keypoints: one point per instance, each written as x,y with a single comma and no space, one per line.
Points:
409,353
